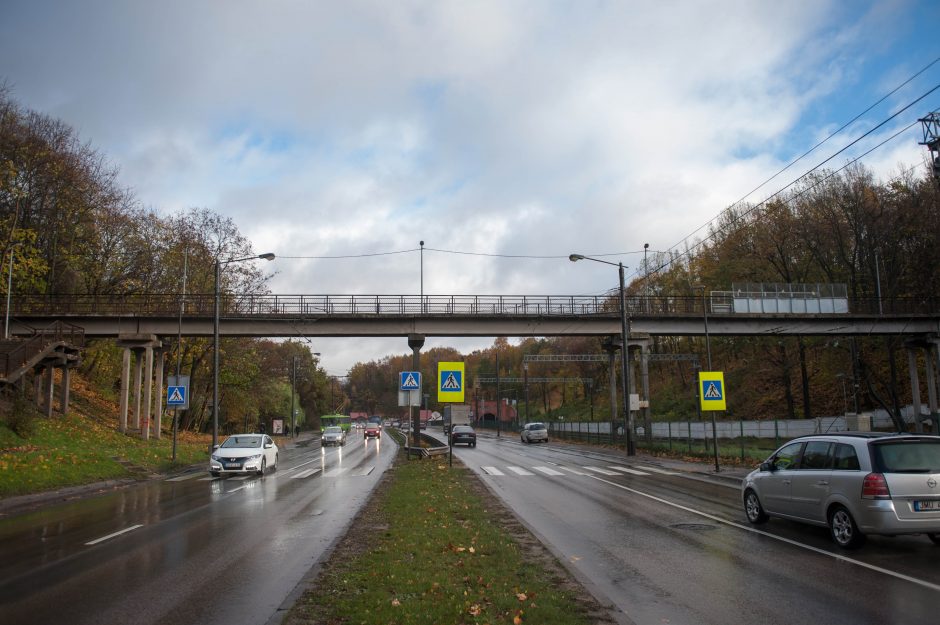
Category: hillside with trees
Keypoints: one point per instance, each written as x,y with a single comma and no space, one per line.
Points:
76,231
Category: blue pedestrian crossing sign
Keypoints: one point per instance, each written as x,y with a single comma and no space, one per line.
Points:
409,380
177,392
711,386
176,396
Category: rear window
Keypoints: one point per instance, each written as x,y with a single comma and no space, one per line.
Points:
844,458
462,428
915,456
536,426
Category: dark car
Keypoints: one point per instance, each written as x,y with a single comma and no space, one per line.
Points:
373,430
463,435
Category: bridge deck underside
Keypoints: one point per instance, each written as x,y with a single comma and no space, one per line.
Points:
495,325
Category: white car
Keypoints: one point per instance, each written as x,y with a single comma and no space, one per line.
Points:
333,435
244,453
534,433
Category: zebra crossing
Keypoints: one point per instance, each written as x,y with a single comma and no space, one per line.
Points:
293,473
560,470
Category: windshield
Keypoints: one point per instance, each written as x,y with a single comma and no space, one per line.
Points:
242,442
333,429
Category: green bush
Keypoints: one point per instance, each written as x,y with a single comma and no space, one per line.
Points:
21,417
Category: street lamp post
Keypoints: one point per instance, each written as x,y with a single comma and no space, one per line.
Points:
624,354
6,323
215,340
293,386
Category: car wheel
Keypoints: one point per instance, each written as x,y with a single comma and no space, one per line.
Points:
752,508
214,473
474,445
844,531
935,538
264,466
275,463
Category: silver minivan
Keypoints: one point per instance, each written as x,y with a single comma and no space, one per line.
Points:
853,483
534,433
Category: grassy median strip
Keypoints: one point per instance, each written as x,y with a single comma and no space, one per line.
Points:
433,547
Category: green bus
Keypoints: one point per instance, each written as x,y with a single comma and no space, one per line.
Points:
336,419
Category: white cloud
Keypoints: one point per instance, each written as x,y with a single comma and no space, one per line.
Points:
513,128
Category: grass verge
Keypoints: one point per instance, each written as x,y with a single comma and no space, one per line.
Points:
434,546
75,450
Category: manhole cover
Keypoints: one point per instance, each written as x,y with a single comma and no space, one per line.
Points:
697,527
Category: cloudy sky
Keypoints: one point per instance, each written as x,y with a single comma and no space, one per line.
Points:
512,132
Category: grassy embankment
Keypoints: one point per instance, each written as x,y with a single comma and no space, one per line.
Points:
433,547
84,447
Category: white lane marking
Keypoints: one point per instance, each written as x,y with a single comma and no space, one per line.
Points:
208,479
601,471
492,471
575,471
520,471
362,472
746,528
617,467
303,474
181,478
660,471
109,536
241,477
548,471
336,472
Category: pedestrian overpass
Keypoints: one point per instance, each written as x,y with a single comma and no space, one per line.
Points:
141,323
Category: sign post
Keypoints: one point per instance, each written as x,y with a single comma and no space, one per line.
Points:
409,392
712,397
177,397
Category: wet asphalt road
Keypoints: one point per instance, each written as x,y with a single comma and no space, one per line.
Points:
662,544
186,550
657,541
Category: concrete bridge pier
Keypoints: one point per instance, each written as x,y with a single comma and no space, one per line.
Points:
931,350
416,342
147,407
612,345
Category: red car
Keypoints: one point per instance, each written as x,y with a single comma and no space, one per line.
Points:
373,430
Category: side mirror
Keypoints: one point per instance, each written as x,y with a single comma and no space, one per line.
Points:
268,445
214,447
768,466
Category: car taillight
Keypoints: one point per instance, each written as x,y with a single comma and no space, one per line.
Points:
875,487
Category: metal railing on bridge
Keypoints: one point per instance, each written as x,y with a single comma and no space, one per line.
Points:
264,305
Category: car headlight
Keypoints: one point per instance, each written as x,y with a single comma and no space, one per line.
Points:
216,458
255,457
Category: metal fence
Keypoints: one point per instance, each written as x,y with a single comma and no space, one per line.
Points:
267,305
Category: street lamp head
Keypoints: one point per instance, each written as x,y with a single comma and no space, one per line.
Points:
267,256
575,257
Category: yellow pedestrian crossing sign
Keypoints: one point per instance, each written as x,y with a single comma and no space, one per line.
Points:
450,386
711,390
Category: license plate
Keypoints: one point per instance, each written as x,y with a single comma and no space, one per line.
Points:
925,506
233,465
